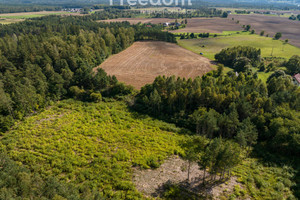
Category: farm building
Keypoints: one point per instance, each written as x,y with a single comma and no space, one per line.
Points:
296,79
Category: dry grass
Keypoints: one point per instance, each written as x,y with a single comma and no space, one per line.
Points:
143,61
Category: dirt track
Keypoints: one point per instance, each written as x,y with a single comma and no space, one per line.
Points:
143,61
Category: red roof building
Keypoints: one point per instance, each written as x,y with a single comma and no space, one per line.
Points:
297,79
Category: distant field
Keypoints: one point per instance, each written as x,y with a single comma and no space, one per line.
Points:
290,29
142,20
280,13
9,21
210,46
194,25
143,61
8,18
211,25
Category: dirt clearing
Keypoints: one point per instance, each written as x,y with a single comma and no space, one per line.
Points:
143,61
174,170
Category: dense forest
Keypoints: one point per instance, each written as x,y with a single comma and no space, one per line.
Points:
52,57
238,107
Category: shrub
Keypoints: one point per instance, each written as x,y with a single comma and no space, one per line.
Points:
96,97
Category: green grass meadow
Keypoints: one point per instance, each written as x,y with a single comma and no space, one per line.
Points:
212,45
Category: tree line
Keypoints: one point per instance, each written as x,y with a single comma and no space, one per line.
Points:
199,12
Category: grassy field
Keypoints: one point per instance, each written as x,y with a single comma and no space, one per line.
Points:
22,16
8,18
212,45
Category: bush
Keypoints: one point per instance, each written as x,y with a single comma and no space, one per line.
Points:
229,55
153,162
96,97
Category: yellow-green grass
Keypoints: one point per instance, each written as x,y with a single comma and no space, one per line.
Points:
26,16
23,16
91,143
210,46
9,21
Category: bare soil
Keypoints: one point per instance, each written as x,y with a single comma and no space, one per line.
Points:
174,170
211,25
142,20
142,62
194,25
290,29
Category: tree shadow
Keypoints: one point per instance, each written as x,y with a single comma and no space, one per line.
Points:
268,158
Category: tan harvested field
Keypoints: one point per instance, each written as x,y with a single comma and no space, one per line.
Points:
38,13
142,20
194,25
271,25
211,25
143,61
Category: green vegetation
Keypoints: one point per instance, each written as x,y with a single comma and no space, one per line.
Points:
261,181
85,147
17,182
241,108
57,62
93,145
212,45
29,15
24,16
87,150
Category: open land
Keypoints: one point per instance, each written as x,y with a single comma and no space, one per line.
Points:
141,20
174,170
143,61
279,13
212,45
270,24
194,25
211,25
7,18
290,29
